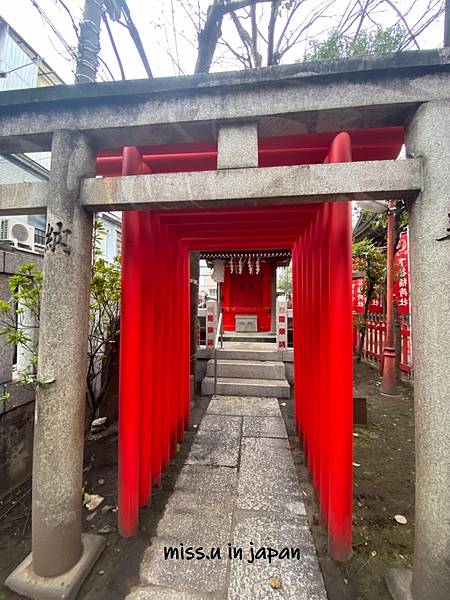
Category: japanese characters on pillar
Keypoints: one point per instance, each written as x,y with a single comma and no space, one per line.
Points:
401,276
211,322
282,322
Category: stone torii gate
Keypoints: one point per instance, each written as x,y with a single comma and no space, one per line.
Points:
409,90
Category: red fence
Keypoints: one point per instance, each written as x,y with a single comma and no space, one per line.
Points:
374,340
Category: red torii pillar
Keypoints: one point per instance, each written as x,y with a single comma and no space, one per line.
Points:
340,408
322,269
130,360
154,398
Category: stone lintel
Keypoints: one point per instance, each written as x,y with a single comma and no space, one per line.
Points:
271,185
116,133
237,146
23,198
282,105
393,64
291,99
24,581
230,187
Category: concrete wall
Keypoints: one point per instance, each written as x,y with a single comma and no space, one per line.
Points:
16,446
16,414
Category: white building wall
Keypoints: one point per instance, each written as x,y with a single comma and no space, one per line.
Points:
110,244
207,286
11,57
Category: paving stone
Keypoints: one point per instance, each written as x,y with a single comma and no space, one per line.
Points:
189,502
163,593
217,442
207,479
244,406
272,427
188,575
204,527
261,501
267,477
242,387
223,423
300,579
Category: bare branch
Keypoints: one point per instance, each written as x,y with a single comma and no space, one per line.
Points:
175,37
136,38
114,47
424,25
346,15
236,54
285,28
361,20
271,31
447,24
257,58
404,21
245,37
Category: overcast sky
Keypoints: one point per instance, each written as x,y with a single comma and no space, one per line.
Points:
155,19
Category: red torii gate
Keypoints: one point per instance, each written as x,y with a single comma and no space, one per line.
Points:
155,330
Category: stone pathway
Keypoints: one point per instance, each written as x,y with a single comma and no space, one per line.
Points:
238,489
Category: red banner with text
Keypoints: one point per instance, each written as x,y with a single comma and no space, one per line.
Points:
401,284
401,275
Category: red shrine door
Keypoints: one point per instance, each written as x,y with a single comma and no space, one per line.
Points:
248,294
246,290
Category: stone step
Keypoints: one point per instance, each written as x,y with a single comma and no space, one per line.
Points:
248,369
250,354
234,386
261,338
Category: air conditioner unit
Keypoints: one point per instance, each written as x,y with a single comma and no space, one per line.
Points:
17,233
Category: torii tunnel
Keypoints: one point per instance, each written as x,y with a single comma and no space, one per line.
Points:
155,350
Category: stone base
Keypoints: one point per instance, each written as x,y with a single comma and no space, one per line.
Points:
24,581
398,582
246,323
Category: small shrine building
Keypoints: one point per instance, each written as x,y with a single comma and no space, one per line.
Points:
249,289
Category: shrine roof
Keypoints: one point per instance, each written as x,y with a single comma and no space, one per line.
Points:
244,254
282,257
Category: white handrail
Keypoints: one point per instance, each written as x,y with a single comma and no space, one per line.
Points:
216,341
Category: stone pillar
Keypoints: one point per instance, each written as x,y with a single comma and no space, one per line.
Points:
211,323
282,323
58,550
428,137
237,146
